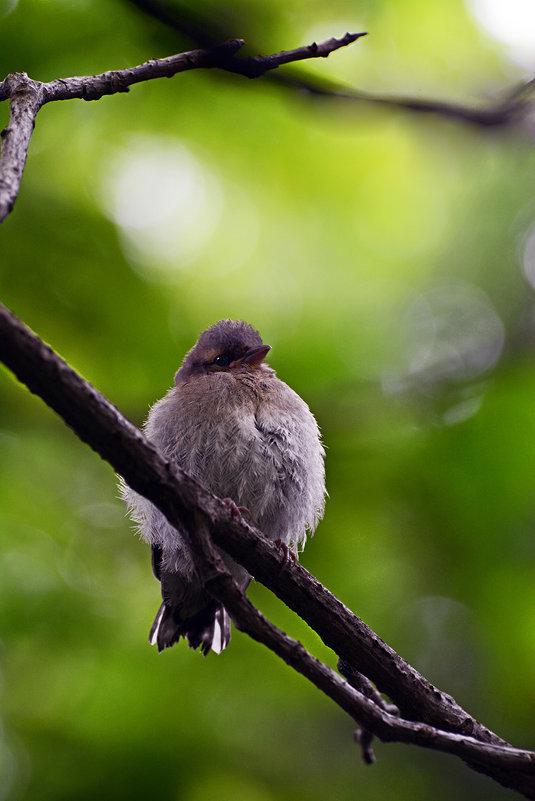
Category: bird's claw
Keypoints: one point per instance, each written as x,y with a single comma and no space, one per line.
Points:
236,510
288,555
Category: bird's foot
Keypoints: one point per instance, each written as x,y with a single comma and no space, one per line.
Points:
236,510
288,555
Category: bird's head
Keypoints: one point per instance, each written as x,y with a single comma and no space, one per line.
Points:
227,346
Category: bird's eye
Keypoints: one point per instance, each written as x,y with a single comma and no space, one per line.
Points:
223,360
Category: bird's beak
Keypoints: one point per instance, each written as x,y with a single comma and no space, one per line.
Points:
254,356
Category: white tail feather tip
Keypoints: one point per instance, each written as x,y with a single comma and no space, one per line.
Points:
217,640
154,637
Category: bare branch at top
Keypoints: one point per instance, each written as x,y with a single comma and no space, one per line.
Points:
27,96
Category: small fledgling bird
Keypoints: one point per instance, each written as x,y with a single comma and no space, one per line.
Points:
246,436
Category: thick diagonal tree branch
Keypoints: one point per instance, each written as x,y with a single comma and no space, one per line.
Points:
430,718
27,96
374,716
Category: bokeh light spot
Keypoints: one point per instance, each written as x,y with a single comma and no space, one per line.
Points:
449,333
7,6
511,23
165,202
528,257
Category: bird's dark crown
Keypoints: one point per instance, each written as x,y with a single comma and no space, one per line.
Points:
227,338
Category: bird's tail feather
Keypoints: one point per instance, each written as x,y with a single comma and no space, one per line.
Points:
221,636
209,628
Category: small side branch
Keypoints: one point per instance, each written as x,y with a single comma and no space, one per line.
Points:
255,66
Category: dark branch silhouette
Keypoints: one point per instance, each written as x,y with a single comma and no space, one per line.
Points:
428,717
203,31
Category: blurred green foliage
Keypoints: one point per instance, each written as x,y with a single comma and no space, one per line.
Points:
387,259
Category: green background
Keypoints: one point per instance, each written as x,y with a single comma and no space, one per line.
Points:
386,259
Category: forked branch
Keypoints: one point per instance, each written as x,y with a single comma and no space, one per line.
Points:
27,96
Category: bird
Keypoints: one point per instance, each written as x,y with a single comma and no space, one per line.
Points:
246,436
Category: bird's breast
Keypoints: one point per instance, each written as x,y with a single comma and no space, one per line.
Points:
254,441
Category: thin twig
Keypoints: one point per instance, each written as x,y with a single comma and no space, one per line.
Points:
255,66
443,726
